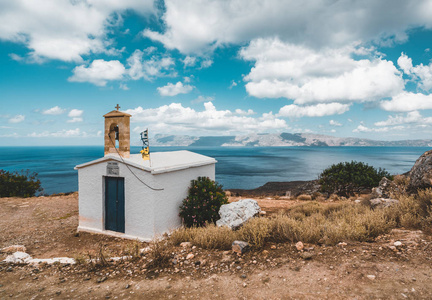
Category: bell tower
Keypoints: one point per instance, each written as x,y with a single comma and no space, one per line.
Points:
117,133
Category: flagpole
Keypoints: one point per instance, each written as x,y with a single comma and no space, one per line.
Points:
148,140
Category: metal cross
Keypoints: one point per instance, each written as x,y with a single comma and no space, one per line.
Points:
118,106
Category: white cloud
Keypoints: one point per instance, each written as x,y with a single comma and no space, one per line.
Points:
56,110
233,84
207,24
75,113
64,30
362,128
61,133
319,110
174,89
421,74
177,119
407,101
409,118
405,63
206,63
124,86
17,119
75,120
241,112
152,67
308,76
203,99
189,61
99,72
334,123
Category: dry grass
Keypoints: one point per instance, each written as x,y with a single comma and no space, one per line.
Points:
160,254
208,237
314,222
304,197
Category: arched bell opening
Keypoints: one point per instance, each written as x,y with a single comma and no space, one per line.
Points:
114,134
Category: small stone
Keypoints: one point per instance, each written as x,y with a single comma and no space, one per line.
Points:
127,286
9,269
243,276
197,263
254,262
244,284
101,279
398,244
145,250
342,244
190,256
273,247
186,245
307,255
240,247
299,246
371,277
265,253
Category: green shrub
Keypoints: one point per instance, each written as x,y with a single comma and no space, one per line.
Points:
203,202
19,184
347,178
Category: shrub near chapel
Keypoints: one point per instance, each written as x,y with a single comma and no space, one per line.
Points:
203,202
347,178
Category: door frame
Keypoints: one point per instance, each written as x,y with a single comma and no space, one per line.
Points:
105,202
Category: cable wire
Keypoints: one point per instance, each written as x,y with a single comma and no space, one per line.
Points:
154,189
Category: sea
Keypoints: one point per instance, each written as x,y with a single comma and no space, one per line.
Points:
237,167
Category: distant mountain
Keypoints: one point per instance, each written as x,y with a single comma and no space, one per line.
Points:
277,140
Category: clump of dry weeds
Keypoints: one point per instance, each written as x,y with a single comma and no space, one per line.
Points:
314,222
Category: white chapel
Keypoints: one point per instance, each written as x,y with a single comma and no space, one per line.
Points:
135,196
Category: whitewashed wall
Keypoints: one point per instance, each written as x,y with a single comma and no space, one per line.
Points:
176,189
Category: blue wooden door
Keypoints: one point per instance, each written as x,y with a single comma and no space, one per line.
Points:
114,204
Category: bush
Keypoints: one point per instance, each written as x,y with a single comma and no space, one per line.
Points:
203,202
19,184
347,178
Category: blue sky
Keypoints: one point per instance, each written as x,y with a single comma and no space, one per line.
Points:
341,68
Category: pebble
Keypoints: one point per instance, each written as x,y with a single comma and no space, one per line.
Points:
307,255
101,279
371,277
397,243
186,244
190,256
299,246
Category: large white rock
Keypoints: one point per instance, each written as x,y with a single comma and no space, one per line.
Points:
18,258
235,214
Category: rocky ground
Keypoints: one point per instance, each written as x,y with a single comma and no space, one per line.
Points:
395,266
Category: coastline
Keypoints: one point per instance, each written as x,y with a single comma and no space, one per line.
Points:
286,188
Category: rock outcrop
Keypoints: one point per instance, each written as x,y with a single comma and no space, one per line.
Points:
235,214
382,202
421,173
385,189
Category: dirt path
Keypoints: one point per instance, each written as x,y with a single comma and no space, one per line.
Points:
46,226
